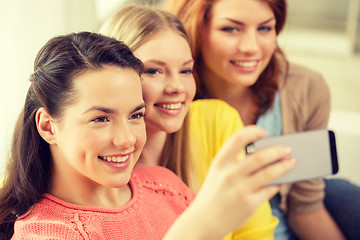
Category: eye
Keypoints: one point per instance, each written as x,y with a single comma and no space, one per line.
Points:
229,29
100,119
151,71
137,116
265,29
186,71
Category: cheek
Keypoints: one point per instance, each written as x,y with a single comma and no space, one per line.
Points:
190,88
79,148
216,47
140,134
96,139
150,90
268,46
208,42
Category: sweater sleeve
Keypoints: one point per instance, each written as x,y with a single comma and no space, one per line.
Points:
306,106
317,107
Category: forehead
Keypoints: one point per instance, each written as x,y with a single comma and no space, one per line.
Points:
108,85
241,8
165,44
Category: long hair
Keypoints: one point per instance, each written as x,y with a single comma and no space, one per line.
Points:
135,24
60,60
194,14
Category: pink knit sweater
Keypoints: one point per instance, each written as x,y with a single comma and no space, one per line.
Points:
159,197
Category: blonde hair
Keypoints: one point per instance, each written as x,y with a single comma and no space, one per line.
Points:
133,25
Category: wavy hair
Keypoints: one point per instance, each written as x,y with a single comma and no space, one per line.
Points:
194,14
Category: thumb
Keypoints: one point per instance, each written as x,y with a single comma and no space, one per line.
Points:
237,143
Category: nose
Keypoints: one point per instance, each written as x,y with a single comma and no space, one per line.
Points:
249,42
123,135
174,84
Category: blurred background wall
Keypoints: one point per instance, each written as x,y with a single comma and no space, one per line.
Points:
322,34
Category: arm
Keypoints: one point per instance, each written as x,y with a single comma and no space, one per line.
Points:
315,225
233,180
307,214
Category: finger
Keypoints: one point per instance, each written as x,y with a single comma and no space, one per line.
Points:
267,192
262,158
238,141
272,172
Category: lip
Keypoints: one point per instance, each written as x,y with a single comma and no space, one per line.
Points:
172,108
246,66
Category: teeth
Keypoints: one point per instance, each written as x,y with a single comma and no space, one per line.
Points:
171,106
115,159
245,64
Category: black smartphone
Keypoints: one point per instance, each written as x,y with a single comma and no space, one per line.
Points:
315,153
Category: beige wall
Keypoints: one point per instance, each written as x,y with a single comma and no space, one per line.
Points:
25,26
319,13
341,16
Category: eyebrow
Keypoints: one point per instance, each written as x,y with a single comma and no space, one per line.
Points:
101,109
141,106
156,61
189,61
241,23
111,110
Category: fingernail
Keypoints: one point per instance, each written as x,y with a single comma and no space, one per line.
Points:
291,161
287,150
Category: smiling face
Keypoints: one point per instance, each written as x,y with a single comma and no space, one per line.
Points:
168,83
238,41
101,135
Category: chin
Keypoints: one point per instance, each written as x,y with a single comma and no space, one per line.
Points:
119,182
167,128
245,82
172,129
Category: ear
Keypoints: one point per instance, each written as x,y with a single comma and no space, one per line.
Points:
45,125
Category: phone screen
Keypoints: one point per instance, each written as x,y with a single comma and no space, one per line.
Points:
314,151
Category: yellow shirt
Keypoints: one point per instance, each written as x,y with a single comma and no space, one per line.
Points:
212,122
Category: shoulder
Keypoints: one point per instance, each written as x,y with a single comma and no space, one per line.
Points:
299,76
301,70
44,220
211,123
205,113
305,99
211,106
303,85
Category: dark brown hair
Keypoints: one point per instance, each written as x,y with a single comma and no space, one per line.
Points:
59,61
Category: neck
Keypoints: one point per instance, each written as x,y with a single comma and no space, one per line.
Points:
77,191
151,154
239,97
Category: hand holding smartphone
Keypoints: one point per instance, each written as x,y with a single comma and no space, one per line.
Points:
315,153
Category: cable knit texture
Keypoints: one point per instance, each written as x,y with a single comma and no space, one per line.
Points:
159,197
